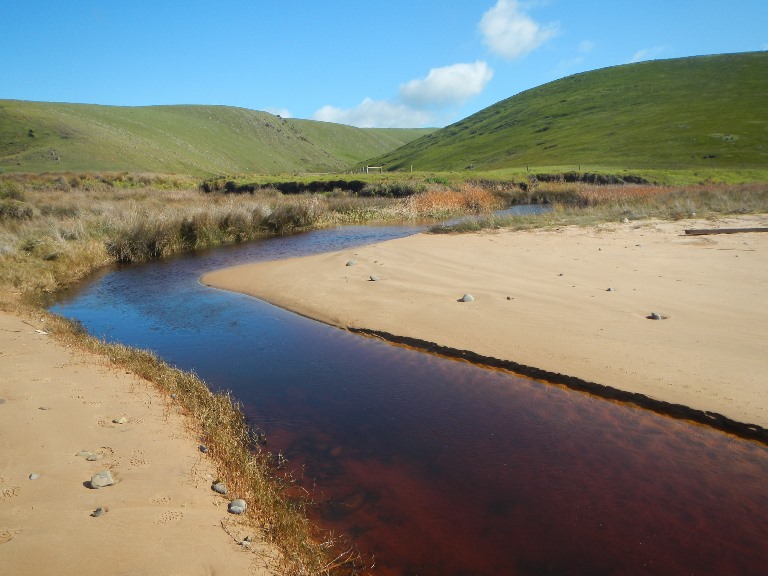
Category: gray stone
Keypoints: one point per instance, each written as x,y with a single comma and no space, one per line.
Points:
34,476
609,290
84,453
351,262
102,479
625,220
173,396
374,278
93,457
121,420
220,487
44,408
203,448
237,506
467,298
99,512
655,316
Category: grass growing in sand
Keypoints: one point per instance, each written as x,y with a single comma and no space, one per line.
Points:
586,205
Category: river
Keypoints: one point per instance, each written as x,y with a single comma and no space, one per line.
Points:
435,466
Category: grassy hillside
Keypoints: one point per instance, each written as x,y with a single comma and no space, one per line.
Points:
684,113
38,136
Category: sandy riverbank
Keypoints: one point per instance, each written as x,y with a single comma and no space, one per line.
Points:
162,516
542,299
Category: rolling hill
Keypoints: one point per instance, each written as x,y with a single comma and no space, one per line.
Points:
682,113
54,137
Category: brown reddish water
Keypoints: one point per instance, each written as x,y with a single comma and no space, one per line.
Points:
437,467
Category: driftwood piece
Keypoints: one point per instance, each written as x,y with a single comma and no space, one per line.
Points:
705,231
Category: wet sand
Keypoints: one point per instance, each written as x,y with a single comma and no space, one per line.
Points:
570,300
161,515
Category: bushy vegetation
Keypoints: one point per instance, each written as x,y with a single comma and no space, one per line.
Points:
583,204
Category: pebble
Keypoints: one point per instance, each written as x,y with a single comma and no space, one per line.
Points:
625,220
374,278
351,262
121,420
174,396
220,488
655,316
84,453
609,290
44,408
99,512
203,448
102,479
467,298
93,457
34,476
237,506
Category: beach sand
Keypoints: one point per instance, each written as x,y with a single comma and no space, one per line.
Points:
542,299
162,516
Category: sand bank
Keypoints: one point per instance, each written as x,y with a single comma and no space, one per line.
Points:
161,515
569,300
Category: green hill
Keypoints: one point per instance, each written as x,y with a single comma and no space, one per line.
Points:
53,137
682,113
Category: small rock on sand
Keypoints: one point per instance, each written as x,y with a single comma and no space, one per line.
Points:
102,479
220,488
121,420
351,262
99,512
203,448
237,506
374,278
34,476
467,298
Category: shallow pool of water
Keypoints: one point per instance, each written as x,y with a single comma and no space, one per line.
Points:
436,466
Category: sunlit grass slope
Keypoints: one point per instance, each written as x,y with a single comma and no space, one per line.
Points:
685,113
54,137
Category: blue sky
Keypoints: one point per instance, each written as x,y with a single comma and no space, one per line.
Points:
390,63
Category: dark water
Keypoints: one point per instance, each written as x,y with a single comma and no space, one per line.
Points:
438,467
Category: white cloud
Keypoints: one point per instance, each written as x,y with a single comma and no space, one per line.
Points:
511,33
282,112
420,102
449,85
375,113
647,54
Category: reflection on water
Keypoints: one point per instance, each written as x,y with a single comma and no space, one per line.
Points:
436,466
